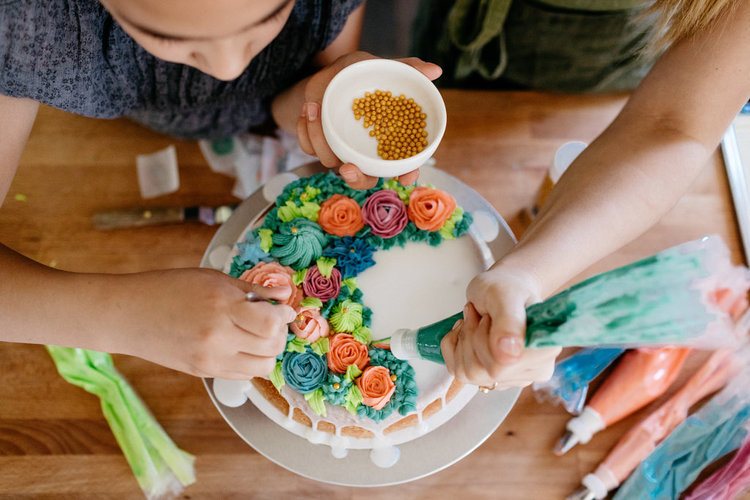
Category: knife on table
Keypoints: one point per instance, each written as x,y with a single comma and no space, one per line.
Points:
140,217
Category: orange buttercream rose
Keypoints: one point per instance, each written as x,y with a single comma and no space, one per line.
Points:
341,216
376,386
429,208
343,351
271,274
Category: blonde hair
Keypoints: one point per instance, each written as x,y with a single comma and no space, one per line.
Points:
678,19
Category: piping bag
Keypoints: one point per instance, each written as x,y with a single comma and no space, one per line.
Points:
715,430
160,467
569,384
662,300
638,379
729,481
643,437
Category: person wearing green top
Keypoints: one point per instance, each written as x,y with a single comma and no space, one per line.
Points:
688,62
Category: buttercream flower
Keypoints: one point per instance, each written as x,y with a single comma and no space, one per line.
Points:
343,351
385,213
309,324
298,242
304,372
271,274
341,216
335,388
353,255
429,208
318,286
376,386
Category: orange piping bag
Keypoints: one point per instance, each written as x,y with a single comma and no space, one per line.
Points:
642,376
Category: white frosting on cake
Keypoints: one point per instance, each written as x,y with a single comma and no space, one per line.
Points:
408,287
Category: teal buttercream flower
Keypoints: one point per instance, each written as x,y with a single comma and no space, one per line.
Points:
298,243
304,372
335,388
373,414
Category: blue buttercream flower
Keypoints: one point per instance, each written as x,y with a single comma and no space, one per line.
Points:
250,251
353,255
304,372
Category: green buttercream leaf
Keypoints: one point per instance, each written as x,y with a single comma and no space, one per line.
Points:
321,346
316,401
289,211
325,266
362,334
266,241
310,194
299,277
346,316
352,372
448,229
353,399
297,345
277,379
310,210
350,283
311,302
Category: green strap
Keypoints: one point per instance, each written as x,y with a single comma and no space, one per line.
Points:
491,12
486,19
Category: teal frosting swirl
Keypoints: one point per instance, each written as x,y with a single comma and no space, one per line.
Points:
298,243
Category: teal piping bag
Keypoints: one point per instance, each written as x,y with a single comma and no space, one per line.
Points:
670,298
160,467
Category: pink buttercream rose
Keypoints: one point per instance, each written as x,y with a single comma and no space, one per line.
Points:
385,213
318,286
343,351
271,274
309,324
376,386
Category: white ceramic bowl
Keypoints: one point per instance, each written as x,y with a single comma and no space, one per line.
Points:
347,137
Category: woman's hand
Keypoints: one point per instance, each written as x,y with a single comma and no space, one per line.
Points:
487,347
198,321
310,130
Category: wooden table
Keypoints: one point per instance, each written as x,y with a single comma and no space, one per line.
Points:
54,442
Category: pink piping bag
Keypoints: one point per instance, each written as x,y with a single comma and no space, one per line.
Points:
638,379
643,438
729,481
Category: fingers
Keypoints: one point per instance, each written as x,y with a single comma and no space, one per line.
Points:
428,69
243,366
355,178
409,178
310,132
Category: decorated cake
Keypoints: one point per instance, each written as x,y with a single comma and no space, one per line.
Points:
361,265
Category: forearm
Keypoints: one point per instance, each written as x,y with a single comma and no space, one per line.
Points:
618,188
41,305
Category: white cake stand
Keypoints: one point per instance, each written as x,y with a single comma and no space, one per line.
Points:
421,457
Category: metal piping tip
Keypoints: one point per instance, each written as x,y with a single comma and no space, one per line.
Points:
582,493
568,441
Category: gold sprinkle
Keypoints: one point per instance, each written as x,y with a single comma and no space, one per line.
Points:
337,386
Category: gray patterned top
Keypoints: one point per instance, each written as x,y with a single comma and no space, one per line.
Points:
71,54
